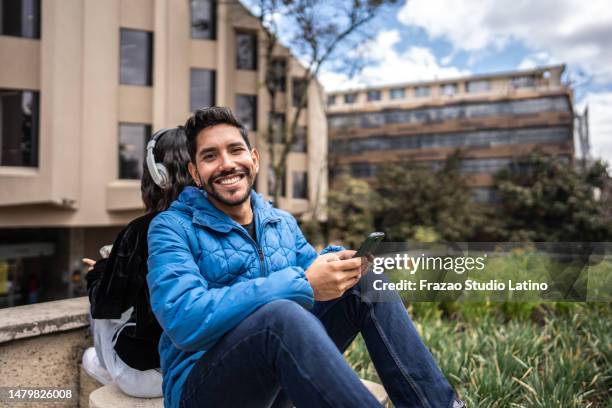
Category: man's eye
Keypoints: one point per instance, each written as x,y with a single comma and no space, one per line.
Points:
208,157
237,150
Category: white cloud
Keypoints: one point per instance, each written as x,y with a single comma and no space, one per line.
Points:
600,124
390,66
571,31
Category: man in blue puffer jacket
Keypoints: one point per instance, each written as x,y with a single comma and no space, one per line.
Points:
231,279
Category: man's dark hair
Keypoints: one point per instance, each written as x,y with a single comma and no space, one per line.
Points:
171,151
207,117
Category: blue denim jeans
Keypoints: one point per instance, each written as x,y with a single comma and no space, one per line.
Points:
283,355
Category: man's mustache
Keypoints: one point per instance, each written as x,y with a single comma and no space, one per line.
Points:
238,171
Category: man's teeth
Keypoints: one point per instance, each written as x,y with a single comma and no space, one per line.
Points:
230,180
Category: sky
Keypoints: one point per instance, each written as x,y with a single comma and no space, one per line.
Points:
437,39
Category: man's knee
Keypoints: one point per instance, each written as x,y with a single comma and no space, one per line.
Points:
285,314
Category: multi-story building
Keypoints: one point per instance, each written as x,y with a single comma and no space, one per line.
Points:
493,119
83,84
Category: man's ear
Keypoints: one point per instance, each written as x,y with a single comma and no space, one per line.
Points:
255,155
194,173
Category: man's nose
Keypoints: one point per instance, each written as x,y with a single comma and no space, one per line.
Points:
226,161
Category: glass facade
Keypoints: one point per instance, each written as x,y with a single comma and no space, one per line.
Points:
300,184
203,19
246,51
20,18
246,111
523,107
136,59
19,122
133,139
201,88
479,139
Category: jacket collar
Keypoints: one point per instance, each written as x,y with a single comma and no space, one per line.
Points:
204,213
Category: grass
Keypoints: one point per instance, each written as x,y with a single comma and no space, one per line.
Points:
516,355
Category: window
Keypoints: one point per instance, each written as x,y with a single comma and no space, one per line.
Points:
523,81
201,89
133,138
279,72
136,57
478,86
300,90
19,128
350,98
422,91
246,51
272,183
246,111
300,184
397,93
278,127
331,100
300,144
203,19
20,18
449,89
373,96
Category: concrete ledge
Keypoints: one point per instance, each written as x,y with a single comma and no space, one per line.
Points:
110,396
43,318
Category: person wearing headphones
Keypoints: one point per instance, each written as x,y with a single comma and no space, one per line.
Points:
125,331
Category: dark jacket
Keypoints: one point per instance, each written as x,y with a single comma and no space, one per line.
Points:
118,283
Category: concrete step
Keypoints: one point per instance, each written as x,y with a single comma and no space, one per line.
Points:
110,396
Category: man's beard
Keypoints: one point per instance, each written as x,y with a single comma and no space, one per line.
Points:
210,187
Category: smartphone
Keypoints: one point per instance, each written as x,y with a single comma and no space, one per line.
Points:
370,244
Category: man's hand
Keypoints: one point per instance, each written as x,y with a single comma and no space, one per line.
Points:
366,261
330,275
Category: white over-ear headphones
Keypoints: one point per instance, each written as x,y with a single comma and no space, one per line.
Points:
158,171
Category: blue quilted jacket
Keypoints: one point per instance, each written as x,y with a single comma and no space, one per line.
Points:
206,274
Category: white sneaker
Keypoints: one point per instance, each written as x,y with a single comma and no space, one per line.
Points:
92,366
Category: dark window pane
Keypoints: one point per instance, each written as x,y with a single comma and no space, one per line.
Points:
279,74
203,19
331,100
373,95
300,184
246,51
19,127
422,91
202,89
278,127
300,144
136,57
350,98
272,183
397,93
300,90
449,89
478,86
132,143
527,81
20,18
246,110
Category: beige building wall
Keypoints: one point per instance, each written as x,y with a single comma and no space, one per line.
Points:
75,67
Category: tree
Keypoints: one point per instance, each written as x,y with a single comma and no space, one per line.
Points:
352,207
318,32
415,200
546,199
